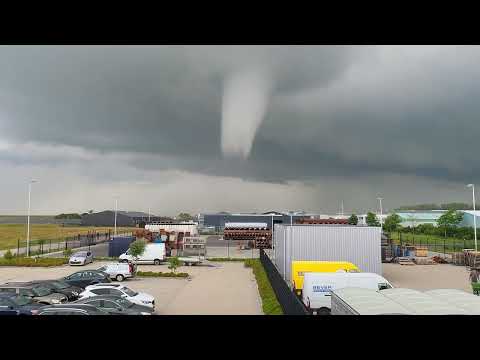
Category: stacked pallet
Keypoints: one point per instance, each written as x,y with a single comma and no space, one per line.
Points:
472,258
261,238
421,251
405,261
458,258
424,261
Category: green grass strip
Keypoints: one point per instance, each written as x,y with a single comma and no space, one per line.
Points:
270,304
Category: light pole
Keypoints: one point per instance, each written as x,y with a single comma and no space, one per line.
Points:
381,212
474,215
28,216
116,208
149,215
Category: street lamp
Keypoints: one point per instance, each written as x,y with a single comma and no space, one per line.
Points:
381,212
474,214
116,208
28,216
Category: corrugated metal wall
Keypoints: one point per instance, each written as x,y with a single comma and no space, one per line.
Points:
360,245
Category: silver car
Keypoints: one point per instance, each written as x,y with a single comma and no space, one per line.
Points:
81,258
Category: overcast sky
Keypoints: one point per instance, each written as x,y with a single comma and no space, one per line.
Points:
237,128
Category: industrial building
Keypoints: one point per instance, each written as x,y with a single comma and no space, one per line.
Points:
414,218
124,218
218,220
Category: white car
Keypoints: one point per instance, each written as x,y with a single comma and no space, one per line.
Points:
118,271
119,290
81,258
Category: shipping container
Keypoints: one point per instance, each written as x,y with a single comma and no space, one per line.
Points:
360,245
119,244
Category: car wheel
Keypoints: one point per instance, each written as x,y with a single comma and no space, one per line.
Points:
156,262
124,261
323,311
119,277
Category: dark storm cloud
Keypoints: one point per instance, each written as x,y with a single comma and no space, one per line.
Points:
334,111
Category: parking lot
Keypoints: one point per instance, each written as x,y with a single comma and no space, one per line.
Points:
428,277
220,289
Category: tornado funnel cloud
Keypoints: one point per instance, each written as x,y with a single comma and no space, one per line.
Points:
245,101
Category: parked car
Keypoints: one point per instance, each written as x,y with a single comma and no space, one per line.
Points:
154,254
116,305
81,258
71,309
5,311
36,292
61,287
119,271
86,277
22,304
119,290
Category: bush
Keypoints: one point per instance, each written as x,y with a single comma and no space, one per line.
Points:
270,304
162,274
8,255
173,263
67,252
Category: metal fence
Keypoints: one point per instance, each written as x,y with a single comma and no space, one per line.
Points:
290,303
40,247
444,246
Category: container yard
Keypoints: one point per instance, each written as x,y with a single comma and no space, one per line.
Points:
254,235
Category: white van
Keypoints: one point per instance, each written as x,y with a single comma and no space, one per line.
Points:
317,287
154,254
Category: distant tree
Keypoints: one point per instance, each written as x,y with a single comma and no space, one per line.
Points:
353,219
372,220
449,220
392,222
137,248
184,217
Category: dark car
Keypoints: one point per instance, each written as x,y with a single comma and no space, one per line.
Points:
71,309
116,305
86,277
21,304
36,292
62,287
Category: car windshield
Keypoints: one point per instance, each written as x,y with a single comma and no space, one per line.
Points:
22,300
80,254
103,268
129,292
41,291
124,302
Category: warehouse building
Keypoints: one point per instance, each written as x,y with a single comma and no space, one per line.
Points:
218,220
124,218
414,218
360,245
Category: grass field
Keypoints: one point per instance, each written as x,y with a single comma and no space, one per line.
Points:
11,233
434,242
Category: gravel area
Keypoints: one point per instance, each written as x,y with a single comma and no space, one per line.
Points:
428,277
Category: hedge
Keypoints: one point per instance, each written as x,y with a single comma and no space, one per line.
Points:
162,274
270,304
33,262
